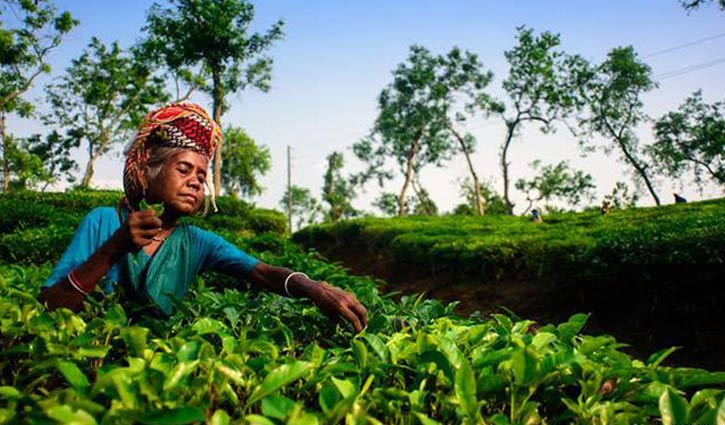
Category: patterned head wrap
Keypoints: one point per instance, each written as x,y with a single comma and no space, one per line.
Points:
183,125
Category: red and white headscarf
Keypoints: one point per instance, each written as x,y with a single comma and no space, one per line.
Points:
183,125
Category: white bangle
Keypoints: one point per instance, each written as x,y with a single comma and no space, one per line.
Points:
286,281
75,284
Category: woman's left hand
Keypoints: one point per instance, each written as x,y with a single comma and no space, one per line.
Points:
336,303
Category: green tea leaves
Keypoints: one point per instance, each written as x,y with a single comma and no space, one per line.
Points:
74,376
673,408
278,378
158,209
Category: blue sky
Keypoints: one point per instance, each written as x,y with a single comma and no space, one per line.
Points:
336,57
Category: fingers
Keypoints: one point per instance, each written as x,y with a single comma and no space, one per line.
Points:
340,304
143,226
352,318
144,220
361,312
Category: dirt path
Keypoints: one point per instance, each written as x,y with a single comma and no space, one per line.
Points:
646,320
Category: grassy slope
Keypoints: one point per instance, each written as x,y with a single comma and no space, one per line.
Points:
677,234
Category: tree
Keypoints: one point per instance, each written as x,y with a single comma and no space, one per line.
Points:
465,79
556,181
245,162
337,192
36,162
23,57
492,202
387,203
207,44
409,127
304,206
27,169
102,97
541,87
691,5
53,150
620,197
614,101
422,203
691,139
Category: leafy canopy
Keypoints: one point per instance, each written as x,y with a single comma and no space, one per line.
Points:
245,162
101,98
541,87
556,181
337,191
613,93
692,139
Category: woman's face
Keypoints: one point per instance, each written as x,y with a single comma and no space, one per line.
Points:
180,183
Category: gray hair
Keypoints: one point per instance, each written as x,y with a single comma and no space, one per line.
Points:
158,159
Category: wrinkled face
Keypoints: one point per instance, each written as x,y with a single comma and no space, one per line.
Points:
180,183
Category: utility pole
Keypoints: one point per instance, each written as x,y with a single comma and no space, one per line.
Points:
289,188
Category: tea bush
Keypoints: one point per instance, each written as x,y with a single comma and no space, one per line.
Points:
573,245
231,354
37,227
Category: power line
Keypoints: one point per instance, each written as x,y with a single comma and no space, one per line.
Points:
681,46
688,69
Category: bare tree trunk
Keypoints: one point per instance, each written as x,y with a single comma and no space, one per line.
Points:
640,169
88,175
510,127
218,92
408,175
425,205
474,176
6,159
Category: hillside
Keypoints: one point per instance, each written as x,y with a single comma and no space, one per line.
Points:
651,276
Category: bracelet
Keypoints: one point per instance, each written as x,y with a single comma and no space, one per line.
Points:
74,283
286,282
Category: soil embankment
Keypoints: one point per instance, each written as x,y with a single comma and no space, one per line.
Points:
679,309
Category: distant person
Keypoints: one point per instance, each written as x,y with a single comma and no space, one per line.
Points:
606,207
536,216
154,258
679,199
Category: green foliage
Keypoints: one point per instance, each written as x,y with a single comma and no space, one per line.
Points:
387,203
244,163
229,355
101,99
298,202
620,197
410,127
613,92
248,356
692,139
26,169
337,192
570,245
542,87
29,31
556,181
691,5
37,227
208,45
492,202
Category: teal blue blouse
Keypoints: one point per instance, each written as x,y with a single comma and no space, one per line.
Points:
201,250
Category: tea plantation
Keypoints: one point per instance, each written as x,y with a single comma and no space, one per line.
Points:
651,276
232,354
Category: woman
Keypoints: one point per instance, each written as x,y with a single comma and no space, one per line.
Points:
154,257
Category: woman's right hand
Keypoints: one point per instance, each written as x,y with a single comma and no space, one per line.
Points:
138,230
